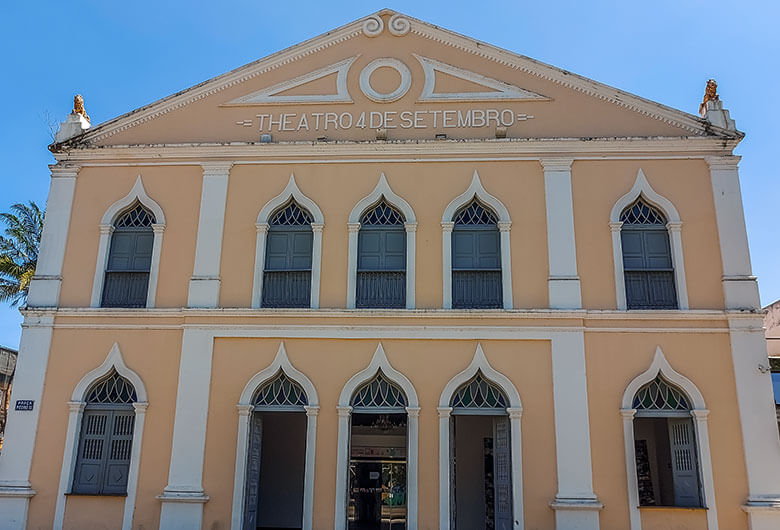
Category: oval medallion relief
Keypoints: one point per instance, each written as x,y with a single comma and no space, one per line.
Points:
385,62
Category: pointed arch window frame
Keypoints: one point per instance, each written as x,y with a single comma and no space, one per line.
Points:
480,364
381,190
290,192
136,195
698,411
114,361
642,188
246,406
476,189
344,408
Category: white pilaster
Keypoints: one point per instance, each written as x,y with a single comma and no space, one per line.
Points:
705,463
506,264
316,254
575,504
446,265
106,230
308,479
22,426
739,285
45,285
515,416
758,422
632,481
411,253
353,229
563,282
183,497
204,285
76,411
342,463
412,455
445,413
257,285
239,478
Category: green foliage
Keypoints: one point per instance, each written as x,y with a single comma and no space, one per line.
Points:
19,251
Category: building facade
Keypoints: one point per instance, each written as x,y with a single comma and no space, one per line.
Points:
392,277
7,368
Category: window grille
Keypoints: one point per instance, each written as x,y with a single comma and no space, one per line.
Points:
382,214
658,395
641,213
112,389
479,393
137,217
291,215
475,214
106,441
281,391
379,394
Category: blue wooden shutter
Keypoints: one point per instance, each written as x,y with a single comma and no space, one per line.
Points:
90,461
118,452
287,277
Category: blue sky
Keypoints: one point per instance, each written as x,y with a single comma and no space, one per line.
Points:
122,55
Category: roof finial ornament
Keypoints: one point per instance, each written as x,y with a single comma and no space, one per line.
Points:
78,106
710,94
711,108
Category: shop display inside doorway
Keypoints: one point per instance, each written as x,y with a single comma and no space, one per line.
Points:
377,472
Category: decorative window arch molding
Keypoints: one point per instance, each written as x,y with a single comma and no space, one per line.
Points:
642,188
382,189
515,411
476,189
137,193
245,408
76,405
699,413
378,362
291,191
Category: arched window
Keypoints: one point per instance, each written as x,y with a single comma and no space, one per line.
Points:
288,253
105,444
126,282
647,258
665,451
476,258
381,267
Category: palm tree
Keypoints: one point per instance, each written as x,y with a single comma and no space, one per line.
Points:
19,251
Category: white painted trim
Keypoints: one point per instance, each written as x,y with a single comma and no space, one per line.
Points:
699,413
500,91
45,285
137,193
21,433
642,188
290,191
115,361
385,62
739,285
183,496
563,282
476,189
378,362
205,282
270,95
480,364
280,362
382,189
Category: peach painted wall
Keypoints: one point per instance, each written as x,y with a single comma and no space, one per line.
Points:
613,360
155,357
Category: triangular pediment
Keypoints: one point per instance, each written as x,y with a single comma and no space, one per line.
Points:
401,76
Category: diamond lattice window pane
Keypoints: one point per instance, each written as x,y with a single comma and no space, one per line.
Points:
479,393
111,389
281,391
379,392
382,214
475,214
641,213
136,217
291,215
660,395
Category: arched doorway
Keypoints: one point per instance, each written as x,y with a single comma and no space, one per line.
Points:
480,477
377,466
274,481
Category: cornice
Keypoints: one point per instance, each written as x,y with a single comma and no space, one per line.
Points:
338,151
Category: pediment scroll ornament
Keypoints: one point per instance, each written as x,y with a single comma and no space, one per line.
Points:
398,25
